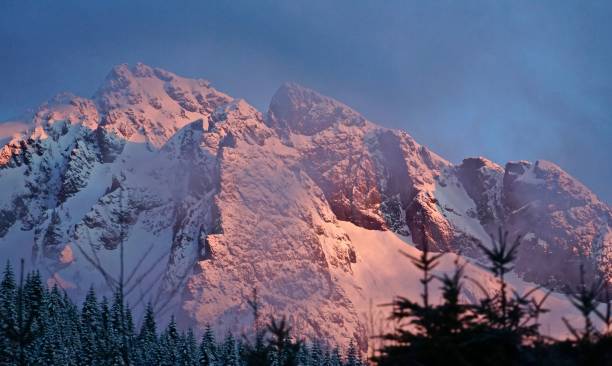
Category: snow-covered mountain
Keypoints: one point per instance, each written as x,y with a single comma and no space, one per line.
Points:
212,198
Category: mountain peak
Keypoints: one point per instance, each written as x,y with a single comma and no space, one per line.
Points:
479,162
214,202
295,108
127,85
145,101
139,70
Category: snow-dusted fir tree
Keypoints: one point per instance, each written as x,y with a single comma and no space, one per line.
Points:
316,353
90,327
147,342
72,329
104,336
7,314
188,349
229,354
169,342
352,355
208,348
336,358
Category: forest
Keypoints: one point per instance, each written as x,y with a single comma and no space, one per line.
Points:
42,326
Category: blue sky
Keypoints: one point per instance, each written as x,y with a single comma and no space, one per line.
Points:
507,80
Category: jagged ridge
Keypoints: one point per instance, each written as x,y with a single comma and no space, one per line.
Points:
211,198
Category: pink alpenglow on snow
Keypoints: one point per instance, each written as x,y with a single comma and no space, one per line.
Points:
309,203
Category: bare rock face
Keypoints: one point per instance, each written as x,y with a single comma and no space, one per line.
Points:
482,180
563,223
370,175
274,232
382,179
208,199
306,112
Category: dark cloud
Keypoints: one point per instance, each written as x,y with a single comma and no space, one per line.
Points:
508,80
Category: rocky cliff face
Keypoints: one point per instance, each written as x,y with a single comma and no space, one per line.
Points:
563,223
208,198
382,179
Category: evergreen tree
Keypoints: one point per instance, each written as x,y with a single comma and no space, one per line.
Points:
48,354
44,327
90,328
169,344
316,354
303,356
590,346
148,350
188,349
336,358
119,331
411,338
208,349
129,335
7,315
104,347
54,339
255,352
72,331
326,357
352,355
494,331
27,326
229,354
284,348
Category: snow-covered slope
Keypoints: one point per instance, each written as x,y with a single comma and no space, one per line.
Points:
382,272
207,198
382,179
